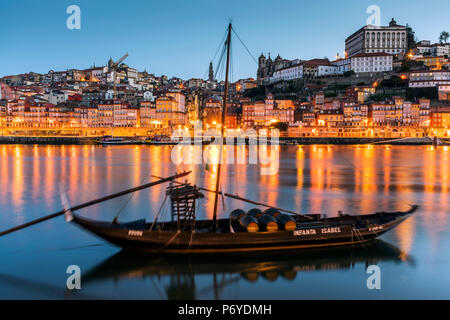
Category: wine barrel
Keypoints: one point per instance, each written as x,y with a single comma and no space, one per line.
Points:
236,214
255,212
286,222
267,222
272,212
249,223
243,222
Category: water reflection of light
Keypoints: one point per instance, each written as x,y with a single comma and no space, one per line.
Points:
136,168
329,168
318,164
4,174
300,167
158,163
430,171
432,208
18,184
73,164
368,169
444,197
36,183
211,157
357,160
405,234
87,166
387,167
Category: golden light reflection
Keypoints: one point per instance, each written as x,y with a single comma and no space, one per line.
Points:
405,233
18,183
35,193
300,167
387,168
318,165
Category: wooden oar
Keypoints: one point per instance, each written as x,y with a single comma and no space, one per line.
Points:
245,200
92,202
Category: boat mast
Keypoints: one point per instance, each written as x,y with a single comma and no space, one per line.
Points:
222,129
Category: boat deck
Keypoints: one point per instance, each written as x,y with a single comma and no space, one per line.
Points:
303,222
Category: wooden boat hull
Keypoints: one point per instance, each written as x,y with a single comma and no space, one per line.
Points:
340,231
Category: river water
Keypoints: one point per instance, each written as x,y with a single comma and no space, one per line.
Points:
414,258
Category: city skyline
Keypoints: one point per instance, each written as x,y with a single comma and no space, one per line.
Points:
162,38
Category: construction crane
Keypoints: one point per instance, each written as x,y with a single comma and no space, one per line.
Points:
112,67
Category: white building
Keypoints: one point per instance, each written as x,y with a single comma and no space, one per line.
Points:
289,73
109,95
439,50
96,73
180,100
320,67
423,47
56,97
429,78
327,69
343,65
148,96
372,62
369,39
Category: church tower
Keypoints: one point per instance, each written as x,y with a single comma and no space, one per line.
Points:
211,72
261,67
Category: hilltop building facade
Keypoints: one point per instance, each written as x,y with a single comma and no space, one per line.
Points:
391,39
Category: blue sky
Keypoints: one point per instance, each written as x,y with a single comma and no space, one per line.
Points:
179,38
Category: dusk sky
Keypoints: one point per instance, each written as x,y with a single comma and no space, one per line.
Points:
179,38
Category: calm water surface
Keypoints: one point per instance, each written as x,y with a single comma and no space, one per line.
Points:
414,258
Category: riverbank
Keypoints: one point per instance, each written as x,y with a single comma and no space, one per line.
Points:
48,140
26,140
356,141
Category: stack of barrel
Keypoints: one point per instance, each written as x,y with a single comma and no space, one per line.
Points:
256,220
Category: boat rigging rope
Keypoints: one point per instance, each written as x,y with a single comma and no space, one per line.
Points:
358,236
242,42
157,215
217,51
192,236
221,63
115,220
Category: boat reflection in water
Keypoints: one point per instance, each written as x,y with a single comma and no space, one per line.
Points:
182,271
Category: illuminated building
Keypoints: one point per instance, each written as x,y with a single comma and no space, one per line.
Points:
370,39
355,115
148,114
444,92
167,112
212,112
435,63
372,62
360,94
265,113
429,78
332,118
440,119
